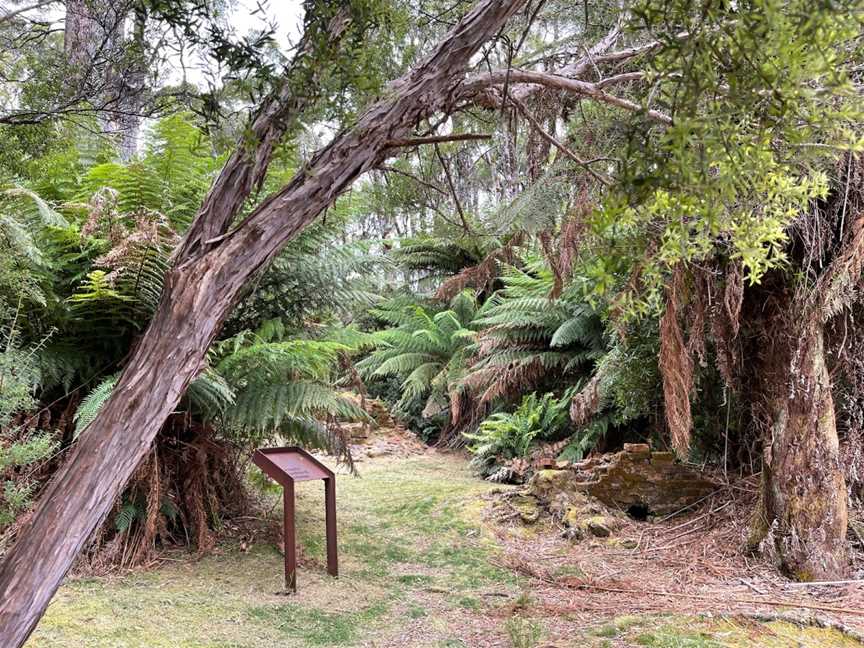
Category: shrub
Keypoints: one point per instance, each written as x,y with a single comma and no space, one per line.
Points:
505,436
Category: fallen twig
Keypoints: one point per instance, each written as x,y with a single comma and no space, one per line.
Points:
749,601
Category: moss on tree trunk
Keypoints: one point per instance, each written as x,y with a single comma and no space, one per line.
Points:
803,504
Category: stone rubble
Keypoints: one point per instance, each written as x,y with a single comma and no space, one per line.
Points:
593,498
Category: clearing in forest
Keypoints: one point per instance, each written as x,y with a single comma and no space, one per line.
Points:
423,563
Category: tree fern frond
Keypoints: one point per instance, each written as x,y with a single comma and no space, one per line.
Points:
211,394
93,403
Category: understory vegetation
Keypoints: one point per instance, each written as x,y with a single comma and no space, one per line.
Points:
608,224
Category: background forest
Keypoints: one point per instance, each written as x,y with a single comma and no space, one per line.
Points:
635,224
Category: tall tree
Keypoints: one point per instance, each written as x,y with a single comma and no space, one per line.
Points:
106,67
209,271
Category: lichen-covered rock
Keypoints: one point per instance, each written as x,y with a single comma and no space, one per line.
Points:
527,507
588,517
622,543
548,484
600,526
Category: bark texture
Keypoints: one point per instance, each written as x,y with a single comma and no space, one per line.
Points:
200,289
803,507
105,68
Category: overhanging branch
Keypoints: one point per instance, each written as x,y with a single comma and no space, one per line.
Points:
436,139
593,91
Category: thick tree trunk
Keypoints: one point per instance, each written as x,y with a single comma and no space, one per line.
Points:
805,492
200,289
105,69
803,497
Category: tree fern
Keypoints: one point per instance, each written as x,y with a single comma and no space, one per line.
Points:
24,220
426,350
527,336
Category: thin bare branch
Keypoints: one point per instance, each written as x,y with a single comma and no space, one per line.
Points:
20,10
436,139
450,184
554,141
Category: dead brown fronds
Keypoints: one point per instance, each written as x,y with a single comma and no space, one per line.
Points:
483,275
586,403
190,484
562,250
676,366
726,323
837,287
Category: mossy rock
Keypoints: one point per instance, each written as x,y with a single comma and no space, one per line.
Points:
546,484
579,525
528,508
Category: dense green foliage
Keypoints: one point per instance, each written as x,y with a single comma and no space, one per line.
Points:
510,435
82,274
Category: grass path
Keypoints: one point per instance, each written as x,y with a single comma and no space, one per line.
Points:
418,568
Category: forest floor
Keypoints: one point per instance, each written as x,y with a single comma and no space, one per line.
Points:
425,563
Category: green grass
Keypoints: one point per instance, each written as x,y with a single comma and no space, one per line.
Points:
318,627
411,544
666,631
417,569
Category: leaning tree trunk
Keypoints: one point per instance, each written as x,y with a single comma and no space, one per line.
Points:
803,494
207,276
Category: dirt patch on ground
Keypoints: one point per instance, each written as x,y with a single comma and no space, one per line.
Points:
689,563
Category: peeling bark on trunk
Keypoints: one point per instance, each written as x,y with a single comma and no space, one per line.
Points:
805,492
200,289
803,504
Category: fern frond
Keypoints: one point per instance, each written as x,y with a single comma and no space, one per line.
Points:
93,403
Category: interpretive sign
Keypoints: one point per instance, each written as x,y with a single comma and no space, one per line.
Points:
287,466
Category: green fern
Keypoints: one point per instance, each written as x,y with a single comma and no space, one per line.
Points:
126,516
504,436
93,403
284,390
427,350
526,335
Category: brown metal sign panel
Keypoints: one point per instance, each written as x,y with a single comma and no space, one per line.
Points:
290,462
287,466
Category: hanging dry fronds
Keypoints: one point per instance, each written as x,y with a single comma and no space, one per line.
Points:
697,312
572,231
154,501
676,367
504,382
733,296
837,286
726,322
561,251
586,403
482,275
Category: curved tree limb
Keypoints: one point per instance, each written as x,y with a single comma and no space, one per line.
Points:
593,91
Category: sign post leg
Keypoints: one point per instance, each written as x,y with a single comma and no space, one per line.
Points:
330,515
289,538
